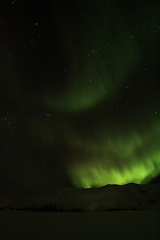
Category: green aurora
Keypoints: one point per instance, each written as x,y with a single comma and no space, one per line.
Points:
119,161
99,67
80,95
95,79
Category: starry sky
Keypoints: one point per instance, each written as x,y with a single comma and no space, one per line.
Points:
79,94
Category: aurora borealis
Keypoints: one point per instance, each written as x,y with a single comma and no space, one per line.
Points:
79,94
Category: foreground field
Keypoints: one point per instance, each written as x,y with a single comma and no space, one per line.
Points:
139,224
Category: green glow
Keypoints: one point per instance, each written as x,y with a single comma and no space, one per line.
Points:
98,69
105,58
97,175
118,161
82,94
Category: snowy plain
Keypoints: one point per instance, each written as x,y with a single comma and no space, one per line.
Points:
112,212
27,225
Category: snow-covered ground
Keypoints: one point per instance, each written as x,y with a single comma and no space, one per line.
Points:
112,212
110,197
109,225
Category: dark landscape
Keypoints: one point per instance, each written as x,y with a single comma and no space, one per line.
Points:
79,120
131,211
108,198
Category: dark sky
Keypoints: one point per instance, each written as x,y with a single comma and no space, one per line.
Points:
79,93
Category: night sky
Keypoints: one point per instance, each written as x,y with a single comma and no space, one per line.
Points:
79,94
